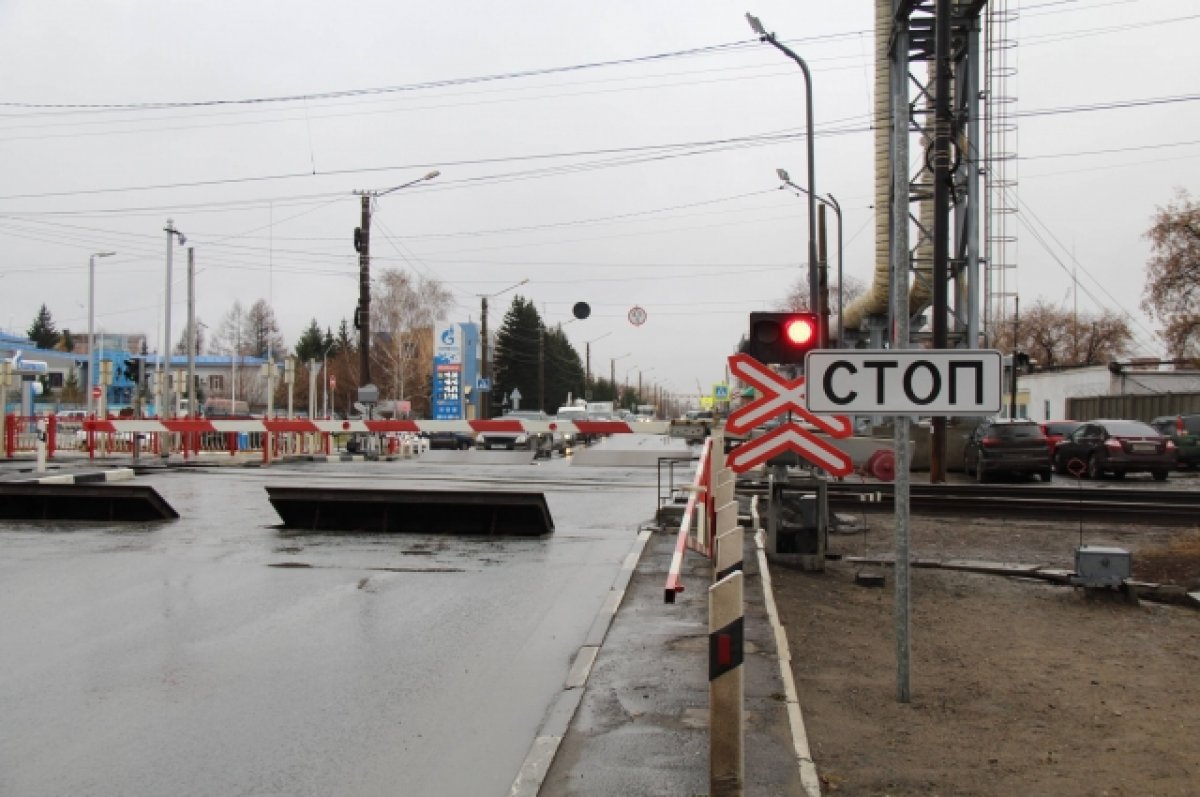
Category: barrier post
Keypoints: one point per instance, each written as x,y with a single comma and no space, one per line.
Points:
726,651
41,445
10,435
52,436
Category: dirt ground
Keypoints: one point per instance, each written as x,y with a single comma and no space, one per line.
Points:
1018,687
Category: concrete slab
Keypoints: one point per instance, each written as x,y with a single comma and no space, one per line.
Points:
475,457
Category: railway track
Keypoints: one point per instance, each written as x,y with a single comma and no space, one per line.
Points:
1111,504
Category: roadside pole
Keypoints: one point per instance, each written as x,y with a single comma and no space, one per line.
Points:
900,331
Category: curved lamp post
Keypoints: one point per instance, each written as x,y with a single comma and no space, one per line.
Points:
828,201
813,279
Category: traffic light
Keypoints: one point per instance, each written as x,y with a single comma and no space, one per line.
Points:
782,338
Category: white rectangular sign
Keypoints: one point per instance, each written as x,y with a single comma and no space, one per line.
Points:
904,381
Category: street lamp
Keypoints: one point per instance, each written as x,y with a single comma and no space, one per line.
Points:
612,372
165,356
829,201
813,286
325,376
91,322
587,382
485,401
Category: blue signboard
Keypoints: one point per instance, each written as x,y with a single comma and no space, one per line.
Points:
447,391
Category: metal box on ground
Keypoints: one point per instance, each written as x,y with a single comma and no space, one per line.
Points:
1101,566
798,523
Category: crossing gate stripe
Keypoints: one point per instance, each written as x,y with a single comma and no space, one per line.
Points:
726,648
733,568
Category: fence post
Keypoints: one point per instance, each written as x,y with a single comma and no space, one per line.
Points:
726,635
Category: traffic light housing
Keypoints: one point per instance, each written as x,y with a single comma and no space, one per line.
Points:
782,338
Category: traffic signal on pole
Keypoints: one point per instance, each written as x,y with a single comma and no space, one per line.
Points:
782,338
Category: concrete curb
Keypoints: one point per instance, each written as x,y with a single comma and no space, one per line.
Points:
808,770
545,746
116,475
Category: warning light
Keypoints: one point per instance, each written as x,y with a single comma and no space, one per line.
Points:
781,338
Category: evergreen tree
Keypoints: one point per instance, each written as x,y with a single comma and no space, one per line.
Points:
67,341
345,340
564,370
515,358
329,344
311,345
42,331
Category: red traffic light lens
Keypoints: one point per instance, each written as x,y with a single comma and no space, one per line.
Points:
799,331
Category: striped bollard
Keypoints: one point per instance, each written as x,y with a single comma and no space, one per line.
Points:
726,634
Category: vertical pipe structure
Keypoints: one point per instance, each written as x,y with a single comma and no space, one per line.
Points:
899,256
191,334
164,359
971,222
943,125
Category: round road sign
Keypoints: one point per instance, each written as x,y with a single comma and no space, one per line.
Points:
97,391
637,316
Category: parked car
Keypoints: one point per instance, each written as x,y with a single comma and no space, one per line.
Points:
1057,430
454,441
541,443
1003,447
1184,431
1117,447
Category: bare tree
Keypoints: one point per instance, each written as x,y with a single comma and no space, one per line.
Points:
1172,292
403,313
1054,336
797,295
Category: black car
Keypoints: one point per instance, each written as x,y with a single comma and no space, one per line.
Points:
458,441
1010,448
1184,431
1117,447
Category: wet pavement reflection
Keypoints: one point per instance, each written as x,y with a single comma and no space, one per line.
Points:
218,654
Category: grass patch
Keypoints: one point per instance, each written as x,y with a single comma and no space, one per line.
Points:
1177,562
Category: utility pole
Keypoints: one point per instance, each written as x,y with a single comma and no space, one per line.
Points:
1012,404
362,316
485,401
943,133
542,369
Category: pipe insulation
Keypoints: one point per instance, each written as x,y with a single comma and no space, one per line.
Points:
874,302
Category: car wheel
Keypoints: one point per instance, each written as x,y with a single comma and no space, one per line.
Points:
1159,475
1094,471
1046,475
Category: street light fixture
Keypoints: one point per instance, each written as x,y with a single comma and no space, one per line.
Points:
362,243
829,201
587,382
612,372
485,401
91,322
164,359
813,280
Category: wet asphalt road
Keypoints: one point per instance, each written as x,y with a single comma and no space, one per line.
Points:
178,657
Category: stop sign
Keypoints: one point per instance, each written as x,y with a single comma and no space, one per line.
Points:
96,391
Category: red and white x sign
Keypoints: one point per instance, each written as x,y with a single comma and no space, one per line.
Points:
779,396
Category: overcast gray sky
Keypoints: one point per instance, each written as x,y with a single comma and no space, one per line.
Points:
590,182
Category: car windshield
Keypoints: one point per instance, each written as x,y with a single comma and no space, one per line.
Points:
1063,429
1130,429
